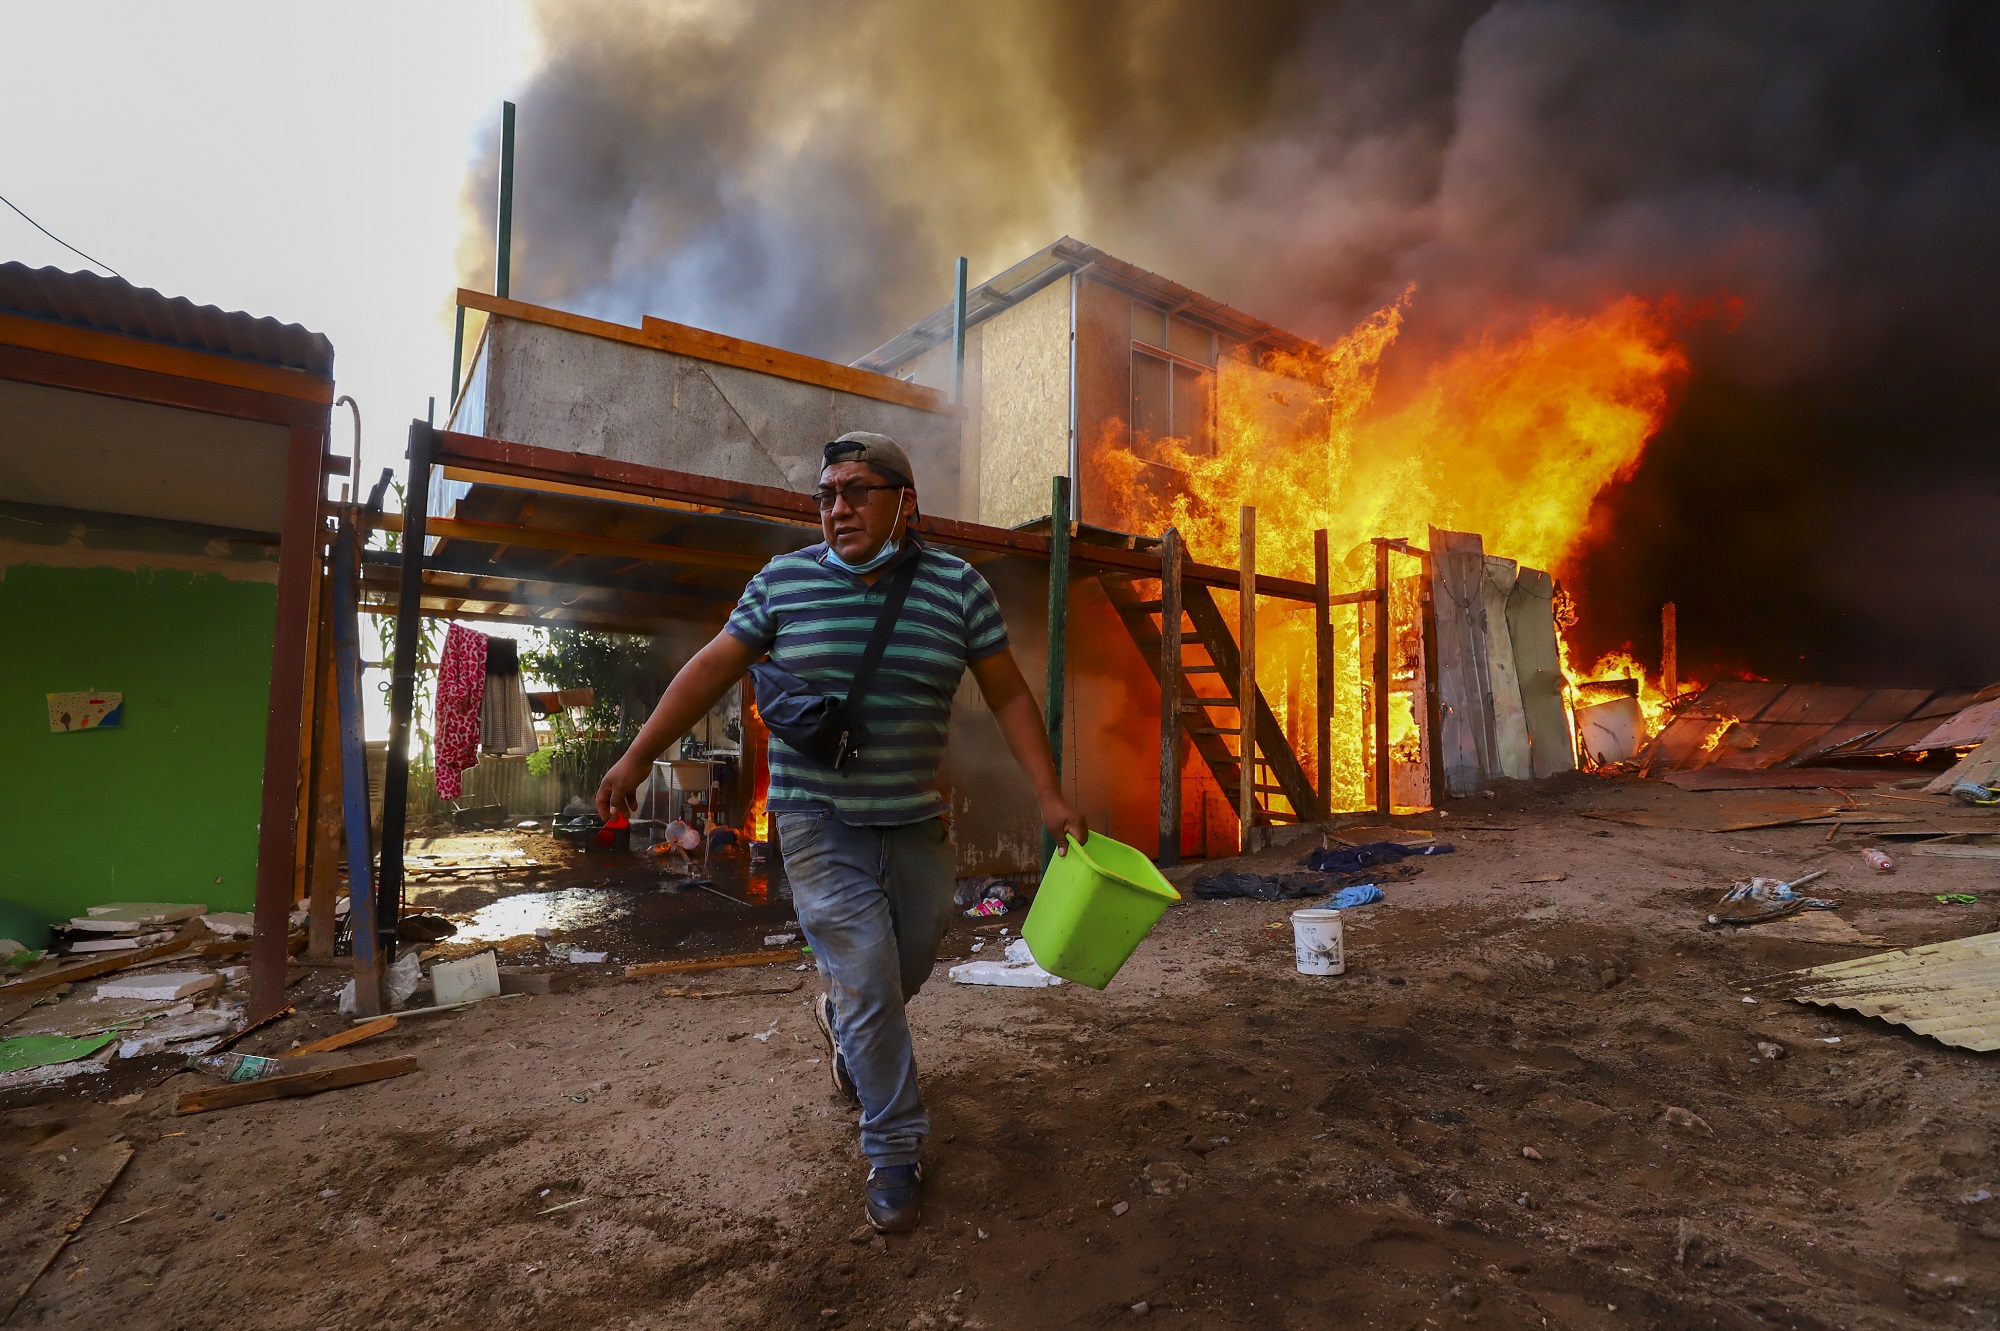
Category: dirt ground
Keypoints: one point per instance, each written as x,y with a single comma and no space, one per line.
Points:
1215,1140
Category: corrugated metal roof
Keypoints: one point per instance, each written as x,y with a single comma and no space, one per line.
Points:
113,305
1059,259
1948,991
1773,725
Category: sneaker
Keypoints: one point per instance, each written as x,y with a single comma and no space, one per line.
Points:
843,1084
895,1198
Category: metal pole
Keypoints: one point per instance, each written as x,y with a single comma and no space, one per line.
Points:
1246,679
1381,675
1323,669
403,684
362,919
503,237
958,339
1058,631
1170,698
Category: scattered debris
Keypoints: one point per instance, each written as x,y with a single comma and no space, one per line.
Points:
1771,1052
342,1039
131,917
1018,971
230,1095
514,980
1350,859
203,1027
161,985
1543,878
578,957
230,923
1530,1153
1675,1116
1121,1208
1762,899
121,1156
466,980
1877,860
23,1053
1948,991
729,962
1957,899
236,1067
779,940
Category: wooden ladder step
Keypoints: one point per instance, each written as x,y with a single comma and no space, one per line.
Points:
1203,704
1142,607
1201,670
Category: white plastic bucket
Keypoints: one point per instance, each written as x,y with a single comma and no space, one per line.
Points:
1317,941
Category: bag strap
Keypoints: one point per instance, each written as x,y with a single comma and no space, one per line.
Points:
885,624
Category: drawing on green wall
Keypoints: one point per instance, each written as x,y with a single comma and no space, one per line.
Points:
84,711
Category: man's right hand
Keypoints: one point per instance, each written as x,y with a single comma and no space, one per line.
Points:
620,787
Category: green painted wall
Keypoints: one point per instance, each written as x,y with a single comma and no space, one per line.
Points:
165,806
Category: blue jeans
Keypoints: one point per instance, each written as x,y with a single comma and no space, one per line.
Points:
874,903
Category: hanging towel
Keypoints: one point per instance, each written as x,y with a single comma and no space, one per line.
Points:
504,722
461,690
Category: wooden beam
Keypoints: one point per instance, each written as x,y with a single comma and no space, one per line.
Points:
229,1095
574,543
167,390
1171,681
730,962
278,822
136,353
1246,686
354,774
1382,801
342,1039
1323,670
1058,656
717,348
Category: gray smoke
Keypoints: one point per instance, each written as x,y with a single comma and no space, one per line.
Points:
805,173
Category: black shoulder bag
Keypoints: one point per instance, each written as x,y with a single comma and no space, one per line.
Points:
823,726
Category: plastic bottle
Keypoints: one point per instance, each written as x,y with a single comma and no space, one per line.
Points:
1877,860
237,1067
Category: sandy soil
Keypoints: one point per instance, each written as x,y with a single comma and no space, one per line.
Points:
1216,1137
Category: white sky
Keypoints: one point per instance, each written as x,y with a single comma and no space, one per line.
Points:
297,161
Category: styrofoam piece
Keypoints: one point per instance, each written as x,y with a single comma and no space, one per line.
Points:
234,923
460,981
129,916
50,1072
172,1031
1007,975
160,985
587,958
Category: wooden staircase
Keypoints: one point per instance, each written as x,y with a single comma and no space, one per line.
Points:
1205,679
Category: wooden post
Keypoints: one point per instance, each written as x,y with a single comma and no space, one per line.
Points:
402,693
1670,651
1246,684
1170,698
1323,670
1059,524
278,823
1382,805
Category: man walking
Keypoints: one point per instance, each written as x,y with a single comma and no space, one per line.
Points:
865,843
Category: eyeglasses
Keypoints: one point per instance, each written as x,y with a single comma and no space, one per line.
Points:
856,495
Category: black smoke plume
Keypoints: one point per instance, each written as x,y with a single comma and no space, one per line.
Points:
1825,503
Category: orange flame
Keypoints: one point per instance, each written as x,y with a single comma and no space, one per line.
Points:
1512,438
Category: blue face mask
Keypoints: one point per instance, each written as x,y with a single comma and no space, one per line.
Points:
880,557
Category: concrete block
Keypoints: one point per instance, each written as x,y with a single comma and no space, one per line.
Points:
161,985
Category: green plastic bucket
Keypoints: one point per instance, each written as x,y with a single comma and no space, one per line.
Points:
1094,906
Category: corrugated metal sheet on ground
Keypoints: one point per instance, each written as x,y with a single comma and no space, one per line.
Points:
1948,991
113,305
1777,725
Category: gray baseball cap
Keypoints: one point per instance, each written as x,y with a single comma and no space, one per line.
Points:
877,450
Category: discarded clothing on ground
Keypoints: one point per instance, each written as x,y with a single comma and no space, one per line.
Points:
1764,899
1350,859
1258,886
1361,894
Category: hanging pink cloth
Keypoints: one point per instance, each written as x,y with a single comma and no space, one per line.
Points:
461,688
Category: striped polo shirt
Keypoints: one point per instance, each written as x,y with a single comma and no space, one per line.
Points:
815,618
